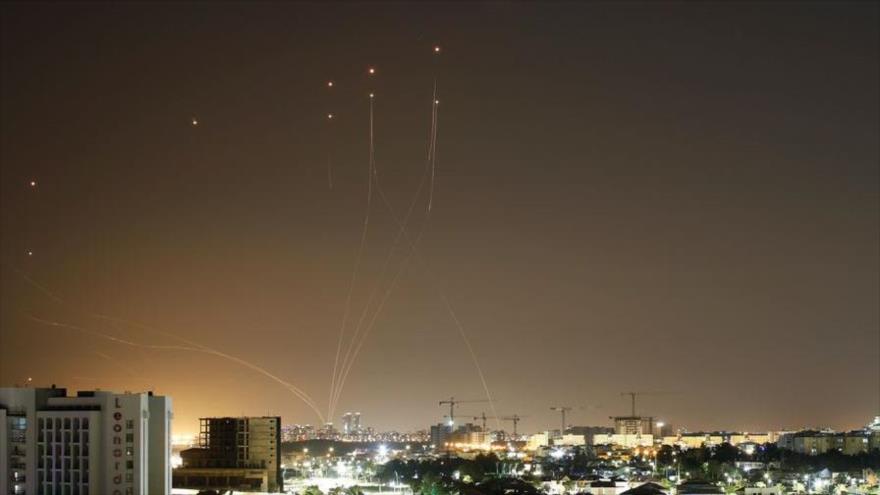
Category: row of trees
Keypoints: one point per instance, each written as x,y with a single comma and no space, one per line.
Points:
726,455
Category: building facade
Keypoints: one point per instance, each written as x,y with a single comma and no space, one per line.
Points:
238,453
588,432
95,443
633,425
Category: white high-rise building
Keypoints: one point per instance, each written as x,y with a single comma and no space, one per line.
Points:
346,423
96,443
351,423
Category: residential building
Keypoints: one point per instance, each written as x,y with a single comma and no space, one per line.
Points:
569,440
623,440
588,432
94,443
694,440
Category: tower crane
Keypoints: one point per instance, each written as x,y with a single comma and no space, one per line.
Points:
452,402
562,410
514,418
633,396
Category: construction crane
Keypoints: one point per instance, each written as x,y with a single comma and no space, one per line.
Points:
452,402
484,418
633,396
563,410
515,418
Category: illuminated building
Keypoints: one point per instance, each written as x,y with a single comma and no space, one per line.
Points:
694,440
758,438
538,440
812,442
243,453
588,432
96,443
633,425
297,433
351,423
623,440
570,440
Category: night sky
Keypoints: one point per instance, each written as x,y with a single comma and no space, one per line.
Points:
675,198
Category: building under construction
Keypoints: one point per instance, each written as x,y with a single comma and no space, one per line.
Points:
234,453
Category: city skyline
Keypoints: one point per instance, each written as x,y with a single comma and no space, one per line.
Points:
676,199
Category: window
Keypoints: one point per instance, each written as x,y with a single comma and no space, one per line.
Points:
129,464
129,438
129,424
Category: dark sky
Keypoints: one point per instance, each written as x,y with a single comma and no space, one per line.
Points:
677,198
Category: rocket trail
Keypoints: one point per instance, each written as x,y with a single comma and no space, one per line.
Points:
357,264
191,346
358,339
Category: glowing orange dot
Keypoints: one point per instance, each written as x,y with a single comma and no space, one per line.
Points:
436,49
30,253
329,115
329,84
372,70
371,95
33,183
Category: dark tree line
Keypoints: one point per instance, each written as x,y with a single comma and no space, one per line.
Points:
695,460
